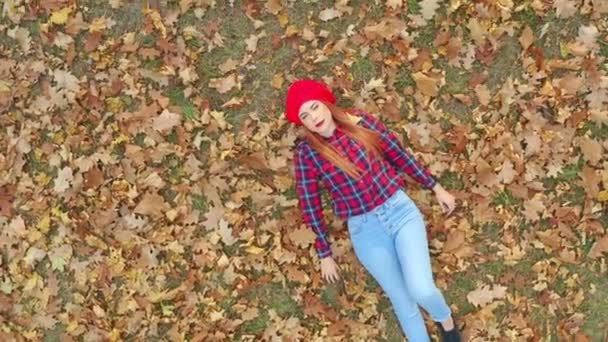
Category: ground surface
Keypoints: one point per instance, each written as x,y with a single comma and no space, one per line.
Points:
146,188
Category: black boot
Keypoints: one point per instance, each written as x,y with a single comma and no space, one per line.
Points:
450,335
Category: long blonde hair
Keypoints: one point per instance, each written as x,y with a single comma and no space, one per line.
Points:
364,136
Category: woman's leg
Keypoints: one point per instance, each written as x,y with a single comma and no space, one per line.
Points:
413,252
375,249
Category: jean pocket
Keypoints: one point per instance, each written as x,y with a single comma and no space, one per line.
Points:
398,198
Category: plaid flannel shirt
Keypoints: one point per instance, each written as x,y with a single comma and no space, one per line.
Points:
350,197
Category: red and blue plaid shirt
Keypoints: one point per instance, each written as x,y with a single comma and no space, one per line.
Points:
350,196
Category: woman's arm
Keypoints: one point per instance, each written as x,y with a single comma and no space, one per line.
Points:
309,197
398,156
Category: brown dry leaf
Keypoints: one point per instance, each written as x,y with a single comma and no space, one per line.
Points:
151,204
166,121
213,217
394,4
427,85
534,207
592,150
599,247
454,240
252,42
387,28
6,200
591,181
587,38
228,65
478,33
428,8
256,160
527,38
65,176
571,84
302,237
274,6
507,174
224,84
483,94
550,238
484,295
564,8
225,233
329,14
568,256
277,81
93,178
295,274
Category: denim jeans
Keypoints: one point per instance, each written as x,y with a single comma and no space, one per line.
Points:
391,243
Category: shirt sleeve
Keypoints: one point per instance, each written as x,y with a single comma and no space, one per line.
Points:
307,188
398,156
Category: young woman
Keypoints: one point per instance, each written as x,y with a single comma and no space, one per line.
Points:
357,159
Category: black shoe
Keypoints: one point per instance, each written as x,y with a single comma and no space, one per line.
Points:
450,335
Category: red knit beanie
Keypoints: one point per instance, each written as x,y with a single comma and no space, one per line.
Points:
302,91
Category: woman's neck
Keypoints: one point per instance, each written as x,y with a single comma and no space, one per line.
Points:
330,131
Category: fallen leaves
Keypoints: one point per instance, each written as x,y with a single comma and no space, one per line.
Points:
599,247
329,14
564,8
224,84
166,121
302,237
427,85
60,17
151,204
486,294
141,156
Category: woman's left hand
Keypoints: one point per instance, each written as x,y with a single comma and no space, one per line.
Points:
447,200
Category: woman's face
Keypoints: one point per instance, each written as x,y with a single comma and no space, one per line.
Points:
316,116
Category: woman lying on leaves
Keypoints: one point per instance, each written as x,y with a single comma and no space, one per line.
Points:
357,158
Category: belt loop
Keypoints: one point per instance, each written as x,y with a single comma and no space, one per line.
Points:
364,218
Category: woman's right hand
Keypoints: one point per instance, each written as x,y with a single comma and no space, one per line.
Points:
329,269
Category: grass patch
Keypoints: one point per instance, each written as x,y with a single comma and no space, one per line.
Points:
507,63
461,285
559,31
256,325
275,296
595,305
568,174
129,17
403,80
506,200
452,180
363,70
393,328
597,131
426,35
54,335
529,17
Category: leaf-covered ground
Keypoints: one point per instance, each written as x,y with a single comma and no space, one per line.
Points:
146,180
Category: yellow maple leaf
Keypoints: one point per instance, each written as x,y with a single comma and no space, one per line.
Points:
63,216
602,196
60,17
157,21
254,250
44,224
277,81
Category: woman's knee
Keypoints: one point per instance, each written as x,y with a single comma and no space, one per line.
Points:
420,293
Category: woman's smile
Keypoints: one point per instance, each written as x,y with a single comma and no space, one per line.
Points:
320,123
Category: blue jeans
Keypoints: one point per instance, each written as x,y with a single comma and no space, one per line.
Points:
391,243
